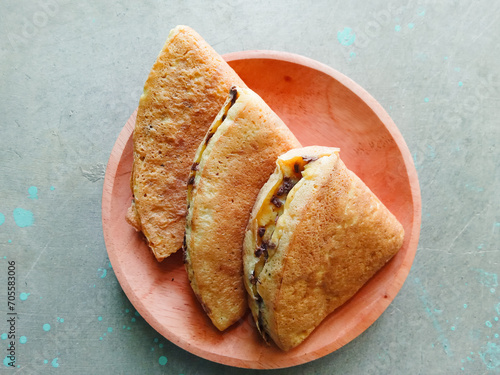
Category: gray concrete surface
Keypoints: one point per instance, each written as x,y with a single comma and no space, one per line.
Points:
70,76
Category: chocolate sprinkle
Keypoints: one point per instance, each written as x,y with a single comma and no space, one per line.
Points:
307,159
234,94
191,180
261,231
253,279
209,136
276,201
194,167
296,168
285,187
262,249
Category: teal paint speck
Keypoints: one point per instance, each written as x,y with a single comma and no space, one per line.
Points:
54,362
491,356
137,313
460,83
4,336
128,328
110,329
452,328
23,296
489,280
132,320
352,54
45,361
103,272
99,318
23,218
6,361
346,37
474,188
162,360
52,188
33,192
426,100
160,346
422,13
488,324
46,327
492,290
100,338
411,25
397,27
60,320
124,327
127,311
2,218
9,241
465,305
23,339
155,340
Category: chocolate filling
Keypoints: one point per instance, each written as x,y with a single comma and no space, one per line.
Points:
285,188
261,231
276,201
209,136
271,212
233,93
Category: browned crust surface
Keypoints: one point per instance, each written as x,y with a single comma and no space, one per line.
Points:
240,160
184,91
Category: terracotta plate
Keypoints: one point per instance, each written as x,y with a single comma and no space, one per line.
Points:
322,107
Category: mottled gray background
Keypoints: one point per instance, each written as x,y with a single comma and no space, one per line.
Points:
71,73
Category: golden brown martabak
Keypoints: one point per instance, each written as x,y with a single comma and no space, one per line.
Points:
232,163
316,234
185,90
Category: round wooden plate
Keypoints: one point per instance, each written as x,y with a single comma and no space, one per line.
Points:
322,107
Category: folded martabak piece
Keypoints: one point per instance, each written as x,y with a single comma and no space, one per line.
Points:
231,165
185,90
316,234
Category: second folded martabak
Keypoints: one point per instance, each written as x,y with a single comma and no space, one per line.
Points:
231,165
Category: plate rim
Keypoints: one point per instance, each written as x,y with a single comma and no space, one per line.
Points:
400,276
